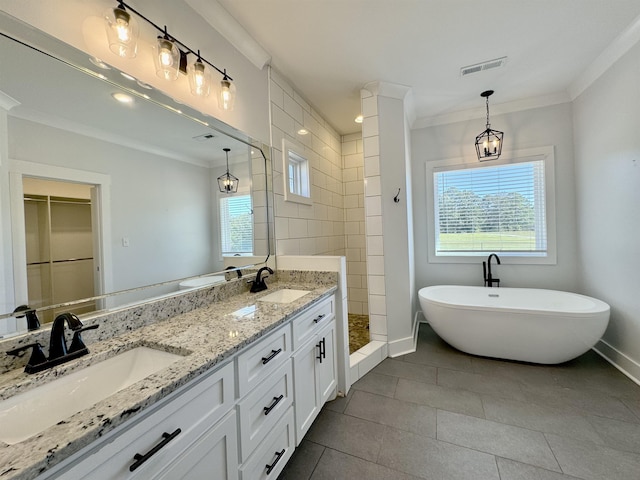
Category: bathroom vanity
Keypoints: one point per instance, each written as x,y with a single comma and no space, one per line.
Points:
249,378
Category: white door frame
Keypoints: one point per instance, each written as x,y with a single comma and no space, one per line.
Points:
101,218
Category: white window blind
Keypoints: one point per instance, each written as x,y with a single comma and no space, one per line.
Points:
236,224
485,209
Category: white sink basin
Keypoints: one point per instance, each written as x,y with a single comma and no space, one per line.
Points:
29,413
286,295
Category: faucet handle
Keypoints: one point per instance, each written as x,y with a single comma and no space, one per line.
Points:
77,344
37,355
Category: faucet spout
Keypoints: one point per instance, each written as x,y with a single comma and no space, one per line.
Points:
489,281
57,342
258,284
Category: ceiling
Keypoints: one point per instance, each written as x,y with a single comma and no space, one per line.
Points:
329,49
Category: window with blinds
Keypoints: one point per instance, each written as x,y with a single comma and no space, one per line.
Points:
488,209
236,225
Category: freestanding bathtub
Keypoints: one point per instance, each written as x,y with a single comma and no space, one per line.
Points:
525,324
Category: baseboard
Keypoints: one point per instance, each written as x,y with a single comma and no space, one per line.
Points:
622,362
405,345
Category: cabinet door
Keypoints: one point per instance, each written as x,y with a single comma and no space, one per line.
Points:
305,387
327,365
213,456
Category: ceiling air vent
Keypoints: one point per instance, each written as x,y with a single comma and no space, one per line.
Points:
204,138
481,67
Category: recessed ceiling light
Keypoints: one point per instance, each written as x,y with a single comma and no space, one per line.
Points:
99,63
303,131
122,97
128,77
358,119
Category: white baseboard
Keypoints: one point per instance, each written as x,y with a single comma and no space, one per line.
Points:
405,345
621,361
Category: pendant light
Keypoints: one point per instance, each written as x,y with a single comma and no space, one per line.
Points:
167,57
122,32
227,96
199,78
227,183
489,142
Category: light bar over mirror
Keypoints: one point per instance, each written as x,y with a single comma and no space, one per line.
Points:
109,192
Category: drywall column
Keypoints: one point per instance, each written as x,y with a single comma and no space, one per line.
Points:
389,229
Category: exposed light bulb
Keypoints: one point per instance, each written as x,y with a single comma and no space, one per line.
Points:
227,95
122,32
167,59
199,78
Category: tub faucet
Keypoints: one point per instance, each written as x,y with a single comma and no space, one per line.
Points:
258,284
489,281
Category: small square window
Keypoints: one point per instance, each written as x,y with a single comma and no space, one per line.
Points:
297,174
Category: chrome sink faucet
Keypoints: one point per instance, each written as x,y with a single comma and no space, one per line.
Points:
489,281
258,284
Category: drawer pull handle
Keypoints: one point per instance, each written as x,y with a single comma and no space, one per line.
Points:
276,401
266,360
273,465
140,459
319,347
319,317
323,349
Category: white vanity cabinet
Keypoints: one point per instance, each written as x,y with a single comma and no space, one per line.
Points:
314,364
197,422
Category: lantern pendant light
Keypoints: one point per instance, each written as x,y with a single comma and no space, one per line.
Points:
489,142
227,183
122,32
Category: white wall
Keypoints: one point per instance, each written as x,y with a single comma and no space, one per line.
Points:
164,207
526,129
316,229
353,176
607,156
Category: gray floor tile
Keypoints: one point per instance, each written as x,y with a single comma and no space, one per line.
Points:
375,383
594,462
340,403
541,418
410,371
446,398
431,459
447,358
604,379
516,443
526,373
336,465
303,462
486,384
633,404
419,419
347,434
577,401
510,470
616,434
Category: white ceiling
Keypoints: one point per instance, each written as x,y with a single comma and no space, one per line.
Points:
329,49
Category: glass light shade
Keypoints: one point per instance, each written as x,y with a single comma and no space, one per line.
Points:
227,95
199,79
122,32
167,59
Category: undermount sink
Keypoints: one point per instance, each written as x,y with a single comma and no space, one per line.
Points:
286,295
31,412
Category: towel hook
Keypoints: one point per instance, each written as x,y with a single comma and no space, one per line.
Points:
396,199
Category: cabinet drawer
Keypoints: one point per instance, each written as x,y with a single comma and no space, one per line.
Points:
186,415
261,360
272,455
306,325
261,409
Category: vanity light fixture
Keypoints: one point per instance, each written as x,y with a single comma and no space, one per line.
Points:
199,78
122,31
227,183
489,142
171,54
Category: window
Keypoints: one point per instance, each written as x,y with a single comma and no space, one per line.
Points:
500,207
236,225
297,174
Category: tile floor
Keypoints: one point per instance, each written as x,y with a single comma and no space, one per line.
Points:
441,414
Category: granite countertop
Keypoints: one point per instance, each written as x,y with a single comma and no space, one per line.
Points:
206,336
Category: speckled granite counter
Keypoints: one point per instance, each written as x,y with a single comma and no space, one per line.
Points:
205,336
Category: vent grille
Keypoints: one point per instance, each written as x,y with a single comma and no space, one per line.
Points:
204,138
481,67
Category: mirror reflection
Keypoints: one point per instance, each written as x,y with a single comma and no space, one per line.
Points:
113,187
